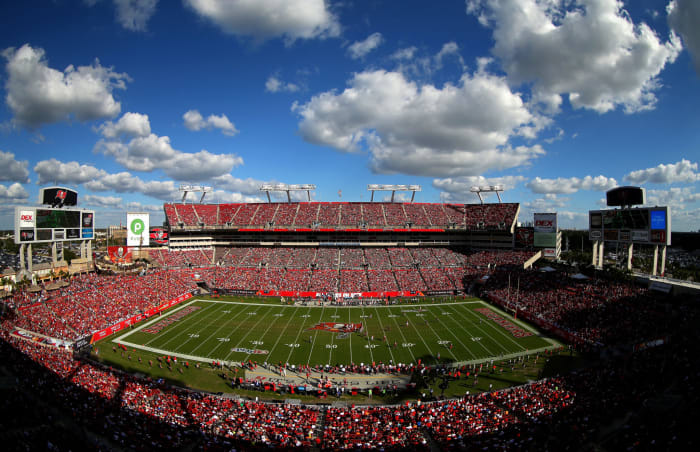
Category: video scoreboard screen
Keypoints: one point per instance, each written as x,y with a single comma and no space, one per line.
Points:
650,225
40,224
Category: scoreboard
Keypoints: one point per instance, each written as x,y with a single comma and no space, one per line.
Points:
646,225
41,225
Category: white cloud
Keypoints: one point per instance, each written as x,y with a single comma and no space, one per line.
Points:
248,186
195,121
134,14
135,206
155,152
275,85
406,53
550,203
201,166
450,49
676,197
684,17
301,19
359,49
567,185
125,182
38,94
53,171
423,130
683,171
458,189
102,201
589,50
686,220
13,193
13,170
226,197
130,124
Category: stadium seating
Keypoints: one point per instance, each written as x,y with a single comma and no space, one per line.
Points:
187,214
613,403
227,212
329,215
416,215
207,213
395,215
285,214
307,216
373,215
344,215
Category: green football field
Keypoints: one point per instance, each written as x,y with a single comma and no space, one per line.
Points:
457,332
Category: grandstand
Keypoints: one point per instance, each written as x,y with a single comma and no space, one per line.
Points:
310,249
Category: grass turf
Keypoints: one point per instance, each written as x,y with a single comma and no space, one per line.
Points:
231,330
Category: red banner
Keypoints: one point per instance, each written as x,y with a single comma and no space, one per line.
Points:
303,294
120,254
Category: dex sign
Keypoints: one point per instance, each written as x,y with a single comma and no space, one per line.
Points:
545,222
26,218
137,229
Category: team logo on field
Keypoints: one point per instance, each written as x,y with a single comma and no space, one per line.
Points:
336,327
250,351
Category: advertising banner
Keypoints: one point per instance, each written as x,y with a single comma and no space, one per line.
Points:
26,219
120,254
545,222
137,229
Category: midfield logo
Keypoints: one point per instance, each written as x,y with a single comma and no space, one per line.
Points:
337,327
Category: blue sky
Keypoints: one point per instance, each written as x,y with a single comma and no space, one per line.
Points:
558,100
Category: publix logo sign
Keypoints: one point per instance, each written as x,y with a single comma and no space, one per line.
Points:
137,226
137,229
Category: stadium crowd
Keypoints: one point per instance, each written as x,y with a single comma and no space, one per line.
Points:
343,215
641,398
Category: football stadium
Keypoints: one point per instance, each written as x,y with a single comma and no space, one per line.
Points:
332,325
323,225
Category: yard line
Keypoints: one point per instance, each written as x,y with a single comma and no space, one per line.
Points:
192,328
437,336
381,325
483,331
371,355
350,337
209,353
296,339
152,320
242,340
398,328
291,317
330,350
422,339
263,335
165,335
501,330
447,328
495,329
314,340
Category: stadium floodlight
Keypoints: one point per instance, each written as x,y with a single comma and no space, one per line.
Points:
487,189
268,187
186,188
393,189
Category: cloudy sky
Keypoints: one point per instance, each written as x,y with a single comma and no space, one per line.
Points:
558,100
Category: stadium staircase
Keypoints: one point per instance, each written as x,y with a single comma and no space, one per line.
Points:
319,427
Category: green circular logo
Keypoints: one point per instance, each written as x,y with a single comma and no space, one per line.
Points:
137,226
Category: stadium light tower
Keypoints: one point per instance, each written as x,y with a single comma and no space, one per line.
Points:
487,189
393,189
267,188
194,188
